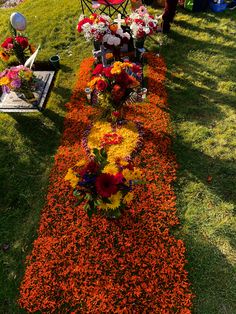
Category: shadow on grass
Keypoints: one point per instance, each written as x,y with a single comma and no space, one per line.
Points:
210,268
200,165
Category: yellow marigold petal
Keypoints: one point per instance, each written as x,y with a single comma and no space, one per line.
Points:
128,197
111,169
70,176
81,163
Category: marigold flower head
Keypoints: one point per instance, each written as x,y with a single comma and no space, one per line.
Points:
128,198
4,81
70,176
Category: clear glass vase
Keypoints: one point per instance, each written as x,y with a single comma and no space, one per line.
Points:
27,95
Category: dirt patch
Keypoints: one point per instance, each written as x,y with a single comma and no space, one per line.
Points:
9,3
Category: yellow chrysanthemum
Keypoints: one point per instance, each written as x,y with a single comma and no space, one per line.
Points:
124,163
128,174
127,65
111,169
81,163
4,81
92,83
115,200
129,133
135,174
128,198
70,176
116,70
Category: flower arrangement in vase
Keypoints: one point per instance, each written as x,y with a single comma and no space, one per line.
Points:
113,85
102,30
94,27
104,187
16,45
141,24
20,80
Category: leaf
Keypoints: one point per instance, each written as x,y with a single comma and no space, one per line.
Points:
77,193
96,152
103,153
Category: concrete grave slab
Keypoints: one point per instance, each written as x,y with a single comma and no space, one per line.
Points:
12,103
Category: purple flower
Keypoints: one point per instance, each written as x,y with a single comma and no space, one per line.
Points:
5,89
16,83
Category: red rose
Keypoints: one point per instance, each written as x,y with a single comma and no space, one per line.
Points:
23,41
106,185
98,69
8,40
81,23
101,85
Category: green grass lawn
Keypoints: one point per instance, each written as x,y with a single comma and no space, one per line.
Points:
200,54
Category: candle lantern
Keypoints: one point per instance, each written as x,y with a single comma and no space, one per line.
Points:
88,93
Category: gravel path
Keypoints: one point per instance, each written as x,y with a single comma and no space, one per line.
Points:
9,3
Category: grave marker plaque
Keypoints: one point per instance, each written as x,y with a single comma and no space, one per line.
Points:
12,103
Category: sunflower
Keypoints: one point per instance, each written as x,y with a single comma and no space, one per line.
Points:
115,200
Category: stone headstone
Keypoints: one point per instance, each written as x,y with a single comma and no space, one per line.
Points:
12,103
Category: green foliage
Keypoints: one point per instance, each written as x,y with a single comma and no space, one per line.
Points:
200,56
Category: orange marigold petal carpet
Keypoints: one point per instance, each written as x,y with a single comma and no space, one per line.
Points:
129,265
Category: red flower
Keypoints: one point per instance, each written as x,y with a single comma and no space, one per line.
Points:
119,178
23,41
101,85
122,79
116,114
91,168
140,33
136,68
117,93
81,23
107,72
98,69
5,44
140,22
106,185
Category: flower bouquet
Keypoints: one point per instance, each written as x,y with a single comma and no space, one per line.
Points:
18,46
102,30
104,187
113,84
94,27
19,79
141,24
